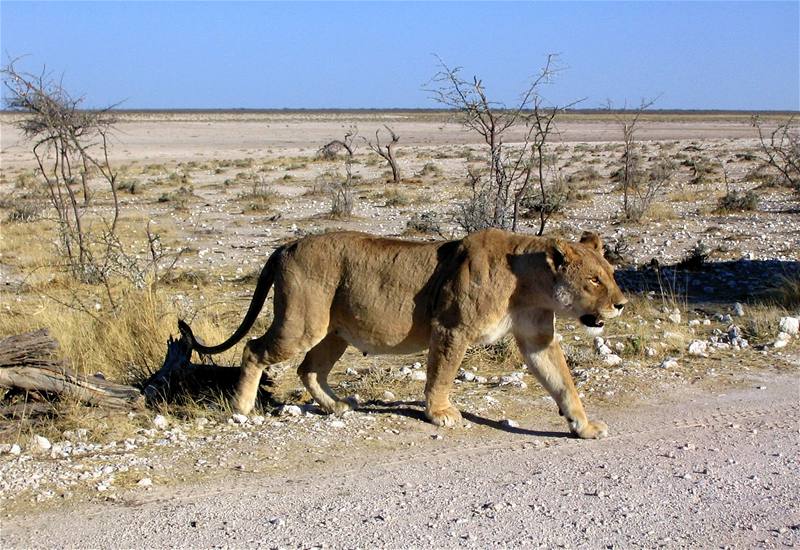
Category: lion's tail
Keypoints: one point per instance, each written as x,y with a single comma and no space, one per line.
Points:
265,280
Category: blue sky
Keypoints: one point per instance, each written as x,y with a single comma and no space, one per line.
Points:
695,55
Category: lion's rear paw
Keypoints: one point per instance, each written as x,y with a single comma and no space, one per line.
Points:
445,417
593,430
344,405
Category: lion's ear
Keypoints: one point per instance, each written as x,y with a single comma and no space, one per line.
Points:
557,255
592,240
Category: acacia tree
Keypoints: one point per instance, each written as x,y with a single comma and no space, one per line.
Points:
386,151
510,169
69,144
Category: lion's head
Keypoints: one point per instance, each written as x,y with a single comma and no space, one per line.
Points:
585,287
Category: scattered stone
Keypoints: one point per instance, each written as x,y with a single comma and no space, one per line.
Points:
239,419
351,371
650,352
40,444
698,348
160,423
465,375
675,317
291,410
480,380
669,363
723,318
738,309
782,340
514,380
416,365
388,396
418,375
694,322
336,424
278,522
612,360
145,482
510,423
15,450
257,420
790,325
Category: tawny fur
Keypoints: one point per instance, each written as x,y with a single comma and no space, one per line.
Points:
387,296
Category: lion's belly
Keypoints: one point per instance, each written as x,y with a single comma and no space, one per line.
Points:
494,332
376,344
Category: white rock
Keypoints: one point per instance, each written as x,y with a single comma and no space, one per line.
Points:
738,309
416,365
599,342
418,375
669,363
510,423
675,317
790,325
612,360
604,350
40,444
388,396
480,379
144,482
782,340
239,419
650,352
351,371
698,347
619,346
336,424
15,450
291,410
694,322
465,375
258,420
160,422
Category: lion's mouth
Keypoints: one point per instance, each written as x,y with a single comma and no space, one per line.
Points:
591,321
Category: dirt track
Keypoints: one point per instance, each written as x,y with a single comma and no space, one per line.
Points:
704,469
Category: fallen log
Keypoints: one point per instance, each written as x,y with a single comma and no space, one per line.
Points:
27,362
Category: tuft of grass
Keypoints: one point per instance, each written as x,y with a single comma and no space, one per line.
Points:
736,201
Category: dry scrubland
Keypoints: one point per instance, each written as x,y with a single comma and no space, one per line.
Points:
222,190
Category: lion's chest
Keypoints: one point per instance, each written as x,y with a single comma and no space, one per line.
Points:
494,332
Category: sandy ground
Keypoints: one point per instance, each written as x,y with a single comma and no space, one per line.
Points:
704,468
181,138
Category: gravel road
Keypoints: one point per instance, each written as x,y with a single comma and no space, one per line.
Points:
706,469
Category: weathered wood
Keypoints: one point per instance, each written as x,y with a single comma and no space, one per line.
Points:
178,375
27,363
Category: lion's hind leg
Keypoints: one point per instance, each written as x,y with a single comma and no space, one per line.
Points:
314,370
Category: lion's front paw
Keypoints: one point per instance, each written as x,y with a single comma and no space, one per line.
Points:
450,416
592,430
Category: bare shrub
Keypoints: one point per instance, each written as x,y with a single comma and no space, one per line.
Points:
738,201
425,223
781,149
386,151
340,190
260,196
641,187
498,188
69,145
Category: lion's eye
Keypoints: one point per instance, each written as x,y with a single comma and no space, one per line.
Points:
595,280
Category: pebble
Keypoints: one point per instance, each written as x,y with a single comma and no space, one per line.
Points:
669,363
159,422
145,482
40,444
291,410
675,317
336,424
650,352
257,420
698,348
510,423
239,419
388,396
790,325
612,360
738,309
782,340
418,375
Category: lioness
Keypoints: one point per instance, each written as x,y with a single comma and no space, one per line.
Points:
385,295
